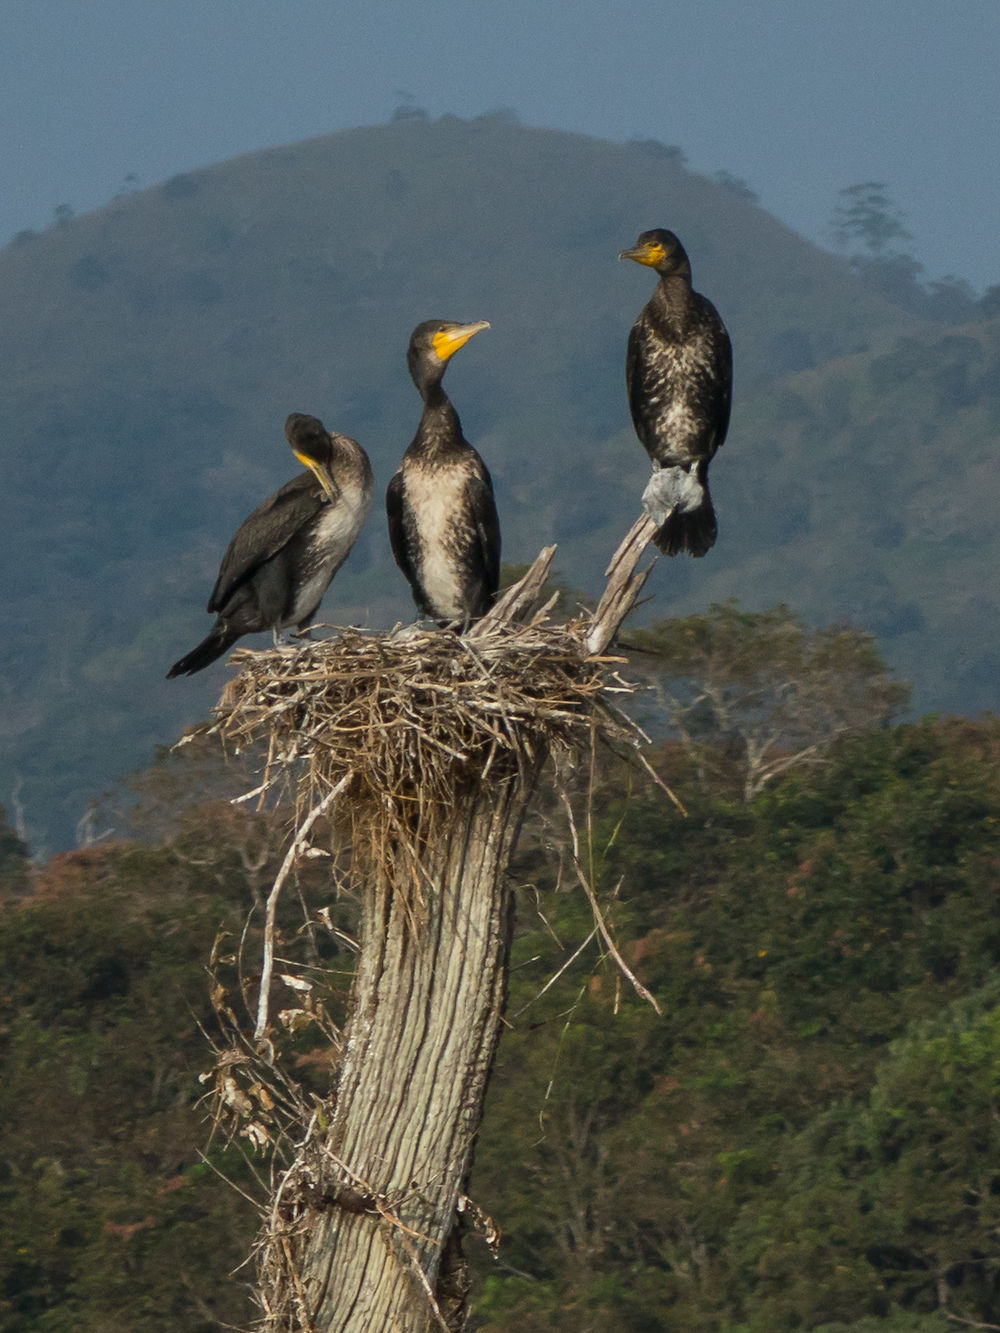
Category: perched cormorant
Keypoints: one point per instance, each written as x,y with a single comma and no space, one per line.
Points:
443,522
680,374
281,560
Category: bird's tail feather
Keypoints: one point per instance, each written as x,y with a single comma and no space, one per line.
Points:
211,647
694,531
680,504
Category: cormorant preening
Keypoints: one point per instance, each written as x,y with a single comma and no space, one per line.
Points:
282,558
443,522
680,375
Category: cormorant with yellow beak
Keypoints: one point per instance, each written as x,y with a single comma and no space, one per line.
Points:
281,560
679,372
443,523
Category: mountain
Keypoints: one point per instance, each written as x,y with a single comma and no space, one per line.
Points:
153,349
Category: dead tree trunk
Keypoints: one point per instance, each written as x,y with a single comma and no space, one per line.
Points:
429,997
437,743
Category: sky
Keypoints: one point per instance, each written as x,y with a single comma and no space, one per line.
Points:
799,98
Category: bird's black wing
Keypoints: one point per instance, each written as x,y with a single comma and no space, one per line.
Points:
717,387
398,538
483,511
264,533
636,373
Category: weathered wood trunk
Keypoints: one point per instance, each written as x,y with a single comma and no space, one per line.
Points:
427,1008
365,1230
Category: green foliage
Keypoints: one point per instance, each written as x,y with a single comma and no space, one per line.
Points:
805,1139
113,1212
898,1192
109,1221
752,695
13,859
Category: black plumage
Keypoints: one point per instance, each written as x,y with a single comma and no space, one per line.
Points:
679,372
443,522
281,560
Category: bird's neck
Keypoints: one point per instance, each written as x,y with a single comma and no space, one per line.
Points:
440,428
432,392
348,462
673,299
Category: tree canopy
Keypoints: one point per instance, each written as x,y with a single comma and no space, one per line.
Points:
750,695
806,1139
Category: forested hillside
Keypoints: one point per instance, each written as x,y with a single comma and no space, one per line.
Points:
153,349
807,1139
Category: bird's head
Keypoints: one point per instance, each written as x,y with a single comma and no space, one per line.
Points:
660,250
311,445
433,343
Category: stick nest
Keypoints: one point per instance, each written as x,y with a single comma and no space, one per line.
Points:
409,720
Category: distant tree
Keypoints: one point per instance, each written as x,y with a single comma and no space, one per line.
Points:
500,115
735,185
870,227
867,216
407,109
895,275
655,148
14,856
109,1203
751,695
851,1222
409,113
63,214
758,1159
181,187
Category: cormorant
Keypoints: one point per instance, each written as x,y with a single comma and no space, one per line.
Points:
281,560
443,522
679,372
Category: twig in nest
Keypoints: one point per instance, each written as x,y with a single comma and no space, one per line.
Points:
297,843
413,722
599,921
556,975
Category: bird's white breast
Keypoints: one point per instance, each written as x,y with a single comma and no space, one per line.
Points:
437,498
334,533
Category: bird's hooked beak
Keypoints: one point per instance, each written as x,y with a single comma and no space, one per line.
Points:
448,341
649,253
321,472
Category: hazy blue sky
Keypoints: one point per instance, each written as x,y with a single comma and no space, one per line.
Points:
798,97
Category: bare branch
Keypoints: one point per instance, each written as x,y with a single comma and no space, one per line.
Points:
633,980
520,595
969,1323
623,587
296,846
